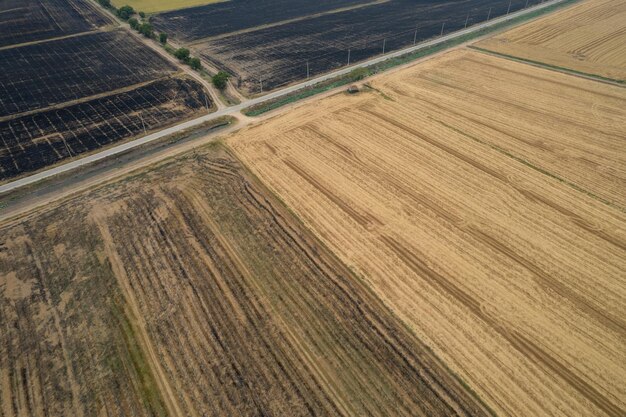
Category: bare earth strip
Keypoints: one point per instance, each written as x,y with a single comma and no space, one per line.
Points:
482,199
188,290
589,38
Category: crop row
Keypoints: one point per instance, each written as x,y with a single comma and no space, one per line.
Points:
225,17
34,20
34,141
44,74
282,54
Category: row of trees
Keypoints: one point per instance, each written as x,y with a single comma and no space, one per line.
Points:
183,55
127,13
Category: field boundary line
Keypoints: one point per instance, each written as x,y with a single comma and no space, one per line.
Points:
406,56
536,168
57,38
555,68
357,277
70,166
60,106
283,22
144,341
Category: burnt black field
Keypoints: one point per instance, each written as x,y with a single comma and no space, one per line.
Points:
48,73
278,55
33,142
33,20
230,16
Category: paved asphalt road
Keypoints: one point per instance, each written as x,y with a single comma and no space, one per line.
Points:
116,150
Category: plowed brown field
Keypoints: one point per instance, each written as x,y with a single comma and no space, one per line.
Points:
188,290
589,38
483,200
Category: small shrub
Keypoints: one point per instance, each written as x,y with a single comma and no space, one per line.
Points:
220,80
105,3
134,23
142,15
125,12
146,30
358,74
163,38
195,63
182,54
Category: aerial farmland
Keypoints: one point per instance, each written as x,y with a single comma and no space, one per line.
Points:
264,56
589,38
242,311
78,86
476,236
433,226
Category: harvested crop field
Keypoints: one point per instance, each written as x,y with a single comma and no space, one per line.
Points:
234,15
188,289
44,74
282,54
33,20
155,6
589,38
459,190
42,139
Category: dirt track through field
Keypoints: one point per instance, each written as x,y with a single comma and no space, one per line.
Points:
465,191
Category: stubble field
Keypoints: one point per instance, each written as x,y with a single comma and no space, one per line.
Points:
35,141
466,192
49,73
221,18
33,20
277,55
589,38
189,290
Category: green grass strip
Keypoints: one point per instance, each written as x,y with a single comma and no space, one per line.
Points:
394,62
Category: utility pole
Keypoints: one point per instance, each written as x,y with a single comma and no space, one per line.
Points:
261,81
415,36
466,20
307,70
442,26
526,4
142,123
384,42
489,14
509,8
206,102
348,56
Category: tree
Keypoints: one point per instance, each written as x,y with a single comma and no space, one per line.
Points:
220,79
163,38
182,54
146,30
195,64
142,15
134,23
105,3
125,12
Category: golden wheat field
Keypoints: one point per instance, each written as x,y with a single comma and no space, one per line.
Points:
484,201
187,290
589,37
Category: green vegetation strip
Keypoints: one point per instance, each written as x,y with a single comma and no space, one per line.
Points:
360,73
548,66
147,387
